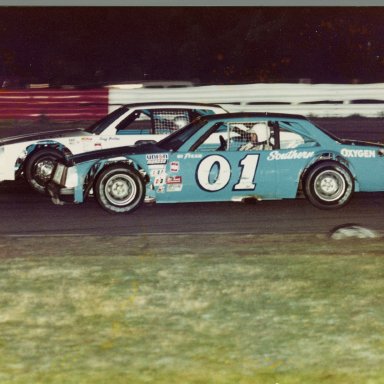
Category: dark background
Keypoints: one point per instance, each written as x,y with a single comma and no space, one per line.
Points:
92,46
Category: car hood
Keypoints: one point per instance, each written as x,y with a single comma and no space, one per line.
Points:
361,143
44,136
114,152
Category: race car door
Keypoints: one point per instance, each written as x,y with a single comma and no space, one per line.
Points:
223,167
292,152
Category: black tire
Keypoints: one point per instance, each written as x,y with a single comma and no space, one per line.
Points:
119,189
39,166
329,185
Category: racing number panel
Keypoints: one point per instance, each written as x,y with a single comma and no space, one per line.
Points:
212,180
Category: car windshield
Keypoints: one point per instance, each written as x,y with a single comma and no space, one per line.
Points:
106,121
173,141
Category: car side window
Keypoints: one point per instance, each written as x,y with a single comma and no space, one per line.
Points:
155,122
166,121
290,139
215,141
137,123
234,136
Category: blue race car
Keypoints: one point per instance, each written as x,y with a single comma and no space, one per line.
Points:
226,157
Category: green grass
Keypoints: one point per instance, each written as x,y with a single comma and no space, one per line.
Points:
184,309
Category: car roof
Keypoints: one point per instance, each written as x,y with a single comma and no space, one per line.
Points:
241,115
172,103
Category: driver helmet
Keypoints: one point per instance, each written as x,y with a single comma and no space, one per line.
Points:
261,130
181,121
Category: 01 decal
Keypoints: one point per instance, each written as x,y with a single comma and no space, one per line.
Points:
214,172
248,170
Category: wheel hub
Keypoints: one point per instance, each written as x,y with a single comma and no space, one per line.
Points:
44,169
330,185
120,190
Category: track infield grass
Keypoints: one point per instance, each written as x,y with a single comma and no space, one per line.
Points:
191,309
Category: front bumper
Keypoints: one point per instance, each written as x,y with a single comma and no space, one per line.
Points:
62,186
59,195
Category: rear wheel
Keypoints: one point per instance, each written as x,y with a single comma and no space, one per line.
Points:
119,189
39,167
329,185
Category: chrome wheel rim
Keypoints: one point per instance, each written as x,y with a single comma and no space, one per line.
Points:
120,190
43,169
329,185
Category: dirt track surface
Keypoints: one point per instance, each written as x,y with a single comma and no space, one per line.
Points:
26,213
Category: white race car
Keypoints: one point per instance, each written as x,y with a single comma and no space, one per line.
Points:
34,155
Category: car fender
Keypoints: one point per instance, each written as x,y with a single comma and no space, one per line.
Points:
26,152
32,148
100,165
48,144
329,156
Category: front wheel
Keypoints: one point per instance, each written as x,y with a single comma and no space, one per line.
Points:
329,185
39,167
119,189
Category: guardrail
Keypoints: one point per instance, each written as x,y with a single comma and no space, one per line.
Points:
321,100
318,100
54,104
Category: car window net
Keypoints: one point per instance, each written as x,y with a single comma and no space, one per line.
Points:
168,121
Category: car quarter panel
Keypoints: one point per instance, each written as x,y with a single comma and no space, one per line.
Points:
367,165
290,165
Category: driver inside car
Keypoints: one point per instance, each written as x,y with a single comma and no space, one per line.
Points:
259,138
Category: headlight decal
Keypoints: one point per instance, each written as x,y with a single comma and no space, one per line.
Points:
60,174
71,180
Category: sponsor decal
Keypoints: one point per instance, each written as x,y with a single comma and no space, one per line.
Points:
362,153
175,166
157,172
86,138
190,156
161,189
98,145
157,158
174,180
156,167
291,155
159,181
174,187
109,138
